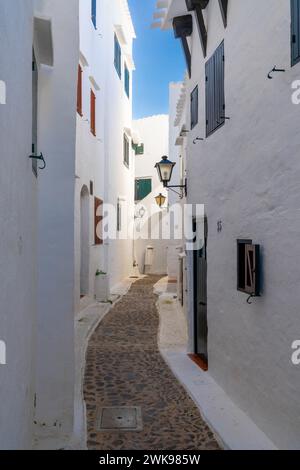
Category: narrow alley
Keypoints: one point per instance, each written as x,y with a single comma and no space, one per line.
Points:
125,369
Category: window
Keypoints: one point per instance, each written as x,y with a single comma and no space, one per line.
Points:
194,107
143,187
119,217
295,31
248,267
215,91
91,188
98,221
94,13
79,91
34,114
93,113
127,81
118,56
139,149
126,150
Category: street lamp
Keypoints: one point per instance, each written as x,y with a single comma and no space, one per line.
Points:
165,170
160,200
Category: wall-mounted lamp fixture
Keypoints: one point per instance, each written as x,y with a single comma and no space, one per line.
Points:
41,158
165,170
160,200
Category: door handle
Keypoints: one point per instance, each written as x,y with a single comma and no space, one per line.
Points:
203,304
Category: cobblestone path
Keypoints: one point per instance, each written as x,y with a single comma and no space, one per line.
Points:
125,369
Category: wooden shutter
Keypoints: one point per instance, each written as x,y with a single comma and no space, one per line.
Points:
93,113
194,107
295,31
127,81
143,187
34,114
94,13
252,269
126,150
223,7
215,91
118,56
79,91
98,221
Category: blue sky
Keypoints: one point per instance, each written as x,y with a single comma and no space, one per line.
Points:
158,59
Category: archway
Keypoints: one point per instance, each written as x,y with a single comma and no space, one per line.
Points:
84,241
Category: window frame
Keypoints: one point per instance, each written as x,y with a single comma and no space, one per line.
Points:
194,108
295,17
127,80
79,90
93,113
117,56
137,180
126,150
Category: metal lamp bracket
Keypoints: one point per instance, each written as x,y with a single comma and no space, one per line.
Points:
41,158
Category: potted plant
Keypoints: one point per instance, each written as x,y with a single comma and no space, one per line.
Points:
101,286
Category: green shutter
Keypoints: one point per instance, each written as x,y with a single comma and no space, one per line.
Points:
143,187
295,31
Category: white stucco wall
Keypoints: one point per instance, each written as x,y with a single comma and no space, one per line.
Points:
154,133
247,175
119,180
18,209
57,132
90,149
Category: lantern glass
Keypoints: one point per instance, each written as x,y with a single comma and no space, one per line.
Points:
160,200
165,170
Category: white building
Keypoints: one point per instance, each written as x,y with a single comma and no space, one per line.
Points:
37,236
153,133
104,158
246,172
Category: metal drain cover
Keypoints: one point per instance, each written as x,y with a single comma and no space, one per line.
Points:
122,418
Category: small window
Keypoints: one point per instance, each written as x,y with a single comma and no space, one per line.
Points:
118,57
93,113
79,91
98,221
215,91
295,31
119,216
194,107
94,13
143,187
91,188
248,267
139,149
126,150
127,81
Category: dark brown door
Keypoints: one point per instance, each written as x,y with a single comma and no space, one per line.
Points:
200,295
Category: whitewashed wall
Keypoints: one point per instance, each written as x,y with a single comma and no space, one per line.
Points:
18,210
90,150
57,134
153,132
247,175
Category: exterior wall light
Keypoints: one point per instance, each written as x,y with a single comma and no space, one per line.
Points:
165,170
160,200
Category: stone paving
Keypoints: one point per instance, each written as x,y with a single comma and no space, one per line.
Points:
124,368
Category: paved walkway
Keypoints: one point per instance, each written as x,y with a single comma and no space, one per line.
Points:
125,369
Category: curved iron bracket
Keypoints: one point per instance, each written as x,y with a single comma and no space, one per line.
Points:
249,298
274,69
41,158
197,139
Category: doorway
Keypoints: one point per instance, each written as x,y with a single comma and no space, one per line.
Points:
200,291
84,241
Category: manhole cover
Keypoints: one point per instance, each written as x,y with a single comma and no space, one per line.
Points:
123,418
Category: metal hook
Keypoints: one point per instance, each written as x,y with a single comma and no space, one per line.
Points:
195,140
274,69
248,300
39,157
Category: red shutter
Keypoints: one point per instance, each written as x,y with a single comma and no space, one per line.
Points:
93,113
98,221
79,91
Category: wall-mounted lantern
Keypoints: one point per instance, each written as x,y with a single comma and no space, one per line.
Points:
165,169
160,200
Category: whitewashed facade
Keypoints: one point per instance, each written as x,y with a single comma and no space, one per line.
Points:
153,133
37,234
246,172
102,175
